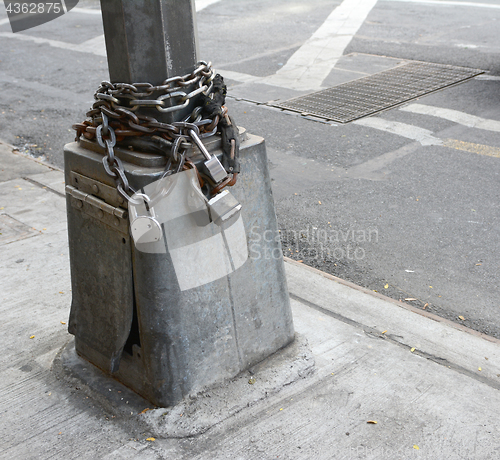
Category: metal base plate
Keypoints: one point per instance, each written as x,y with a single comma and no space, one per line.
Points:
381,91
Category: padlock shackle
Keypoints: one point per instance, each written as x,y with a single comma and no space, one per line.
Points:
199,143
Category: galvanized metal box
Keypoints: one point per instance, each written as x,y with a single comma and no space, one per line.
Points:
128,314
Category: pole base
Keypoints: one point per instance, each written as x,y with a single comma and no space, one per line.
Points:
131,318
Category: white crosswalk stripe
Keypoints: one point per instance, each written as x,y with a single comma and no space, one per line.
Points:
424,136
313,61
202,4
86,10
462,118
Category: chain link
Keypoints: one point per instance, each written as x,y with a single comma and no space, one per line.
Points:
113,118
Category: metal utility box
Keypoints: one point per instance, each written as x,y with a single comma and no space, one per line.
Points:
128,314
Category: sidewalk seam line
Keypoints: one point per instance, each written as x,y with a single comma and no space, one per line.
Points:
39,184
371,332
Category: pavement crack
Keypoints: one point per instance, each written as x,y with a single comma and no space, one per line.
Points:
337,316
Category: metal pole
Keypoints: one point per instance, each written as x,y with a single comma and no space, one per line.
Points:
150,41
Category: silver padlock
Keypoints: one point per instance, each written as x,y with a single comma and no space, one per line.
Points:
144,229
224,209
213,164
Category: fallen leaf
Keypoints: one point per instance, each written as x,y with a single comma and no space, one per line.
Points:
410,298
478,264
300,261
150,439
386,286
319,202
32,337
479,369
461,317
144,411
374,290
430,287
416,447
412,349
373,422
63,322
61,292
281,409
383,332
426,305
486,358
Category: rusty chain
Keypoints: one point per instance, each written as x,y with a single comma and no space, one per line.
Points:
113,119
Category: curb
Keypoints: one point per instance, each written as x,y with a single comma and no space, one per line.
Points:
411,308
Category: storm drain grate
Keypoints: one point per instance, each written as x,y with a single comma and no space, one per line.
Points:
368,95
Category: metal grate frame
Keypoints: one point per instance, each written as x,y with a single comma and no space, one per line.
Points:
366,96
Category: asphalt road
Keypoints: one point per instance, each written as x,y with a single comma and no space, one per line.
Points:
407,205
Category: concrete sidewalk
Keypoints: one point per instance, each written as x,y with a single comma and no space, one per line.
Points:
431,386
